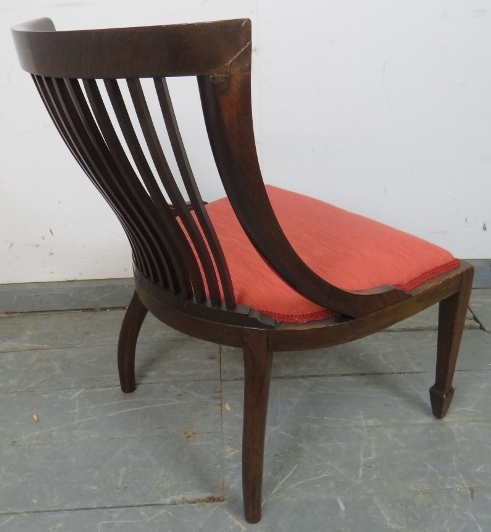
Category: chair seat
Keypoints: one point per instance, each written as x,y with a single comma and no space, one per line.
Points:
347,250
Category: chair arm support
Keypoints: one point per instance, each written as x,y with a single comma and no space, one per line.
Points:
228,116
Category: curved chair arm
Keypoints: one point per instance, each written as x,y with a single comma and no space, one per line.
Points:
227,109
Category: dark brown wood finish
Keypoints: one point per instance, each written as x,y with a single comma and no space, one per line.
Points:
451,321
153,51
197,203
128,336
258,360
181,274
228,115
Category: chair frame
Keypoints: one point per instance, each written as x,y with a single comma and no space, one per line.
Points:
219,54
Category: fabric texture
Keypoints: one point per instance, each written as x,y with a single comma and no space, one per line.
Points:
347,250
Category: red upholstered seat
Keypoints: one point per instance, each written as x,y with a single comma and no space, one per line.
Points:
347,250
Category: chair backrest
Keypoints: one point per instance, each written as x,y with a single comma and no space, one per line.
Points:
172,248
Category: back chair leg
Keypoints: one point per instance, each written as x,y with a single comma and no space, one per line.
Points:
132,322
451,321
258,360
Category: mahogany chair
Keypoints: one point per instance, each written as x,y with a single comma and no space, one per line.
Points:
263,269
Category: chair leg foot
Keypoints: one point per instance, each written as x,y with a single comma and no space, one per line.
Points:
440,402
257,368
451,321
128,336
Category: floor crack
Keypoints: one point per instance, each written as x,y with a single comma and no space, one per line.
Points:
478,321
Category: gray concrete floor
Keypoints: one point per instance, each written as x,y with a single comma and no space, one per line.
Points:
351,443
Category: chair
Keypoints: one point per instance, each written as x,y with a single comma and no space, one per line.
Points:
263,269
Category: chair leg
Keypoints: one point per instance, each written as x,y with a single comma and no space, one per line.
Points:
132,322
257,368
451,322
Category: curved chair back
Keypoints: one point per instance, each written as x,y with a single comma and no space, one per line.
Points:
171,248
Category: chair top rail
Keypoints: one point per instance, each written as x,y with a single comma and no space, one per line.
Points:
205,48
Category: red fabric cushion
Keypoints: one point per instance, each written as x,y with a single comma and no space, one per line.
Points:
347,250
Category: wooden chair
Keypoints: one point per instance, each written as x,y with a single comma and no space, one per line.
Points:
264,269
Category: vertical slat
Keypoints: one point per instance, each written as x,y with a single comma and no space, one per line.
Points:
91,154
47,97
107,170
178,273
145,213
172,189
192,189
104,167
175,233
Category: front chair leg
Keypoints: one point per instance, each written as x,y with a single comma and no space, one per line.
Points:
451,321
132,322
258,360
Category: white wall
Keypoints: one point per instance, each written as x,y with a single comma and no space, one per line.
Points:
380,107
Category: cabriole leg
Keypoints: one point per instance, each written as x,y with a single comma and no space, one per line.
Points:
451,322
257,367
132,322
